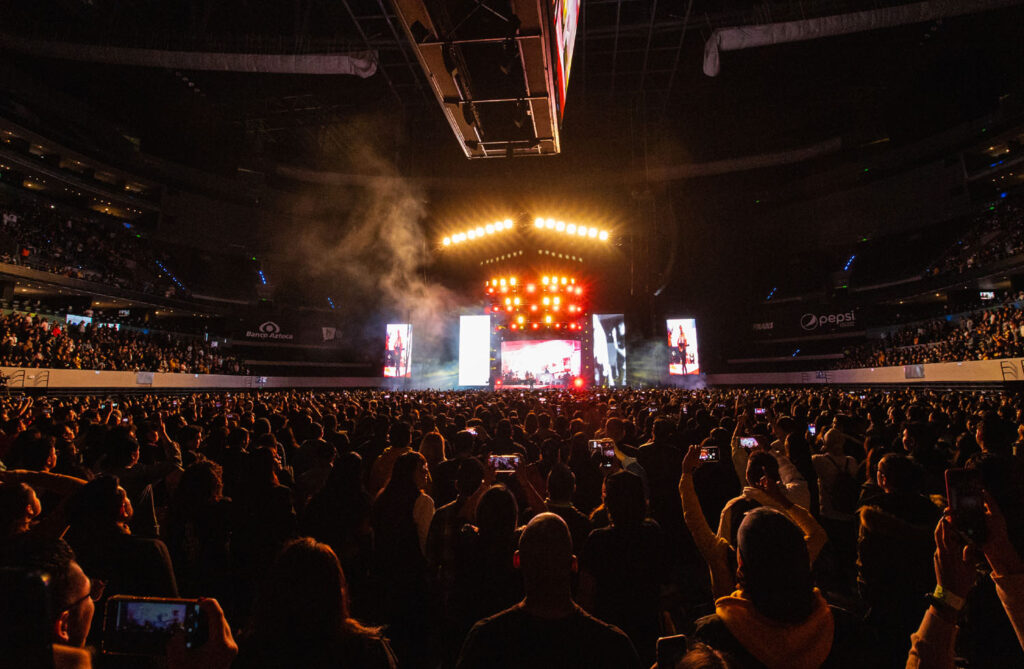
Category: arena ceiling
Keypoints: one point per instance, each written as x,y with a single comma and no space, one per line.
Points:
638,93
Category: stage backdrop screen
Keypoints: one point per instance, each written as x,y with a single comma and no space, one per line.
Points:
682,346
398,350
551,363
474,350
609,350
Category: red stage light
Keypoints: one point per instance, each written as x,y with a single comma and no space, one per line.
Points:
578,382
535,326
513,326
530,287
579,291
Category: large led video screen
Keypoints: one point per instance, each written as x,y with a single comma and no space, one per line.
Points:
474,350
682,346
610,350
398,350
566,15
551,363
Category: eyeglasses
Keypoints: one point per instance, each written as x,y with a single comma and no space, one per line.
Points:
95,593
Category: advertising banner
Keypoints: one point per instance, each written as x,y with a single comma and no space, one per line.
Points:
809,320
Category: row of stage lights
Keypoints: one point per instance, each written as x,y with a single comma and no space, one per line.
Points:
550,283
479,232
571,229
523,325
548,302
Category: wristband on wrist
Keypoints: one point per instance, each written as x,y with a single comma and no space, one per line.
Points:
948,599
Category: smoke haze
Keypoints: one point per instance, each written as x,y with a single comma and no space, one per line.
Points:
368,246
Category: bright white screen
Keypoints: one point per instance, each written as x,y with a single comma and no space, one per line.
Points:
682,346
539,364
474,350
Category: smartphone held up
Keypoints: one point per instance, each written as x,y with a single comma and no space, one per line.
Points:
709,454
603,450
144,625
965,492
504,464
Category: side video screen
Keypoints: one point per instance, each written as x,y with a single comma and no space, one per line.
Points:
609,350
398,350
683,357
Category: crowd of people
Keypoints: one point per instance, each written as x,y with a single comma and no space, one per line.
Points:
42,237
712,528
36,341
985,334
994,236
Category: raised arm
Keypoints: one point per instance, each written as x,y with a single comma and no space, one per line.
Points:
524,474
714,549
468,512
1007,567
54,523
932,646
703,536
60,484
170,447
795,483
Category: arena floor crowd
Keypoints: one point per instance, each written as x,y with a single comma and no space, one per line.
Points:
772,528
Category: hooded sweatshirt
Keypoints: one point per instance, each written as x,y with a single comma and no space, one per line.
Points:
804,645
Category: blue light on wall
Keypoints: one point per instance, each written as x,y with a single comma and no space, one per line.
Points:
170,274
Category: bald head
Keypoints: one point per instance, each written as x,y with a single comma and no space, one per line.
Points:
545,554
545,539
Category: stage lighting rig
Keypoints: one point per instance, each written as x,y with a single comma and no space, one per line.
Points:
479,232
571,229
555,230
